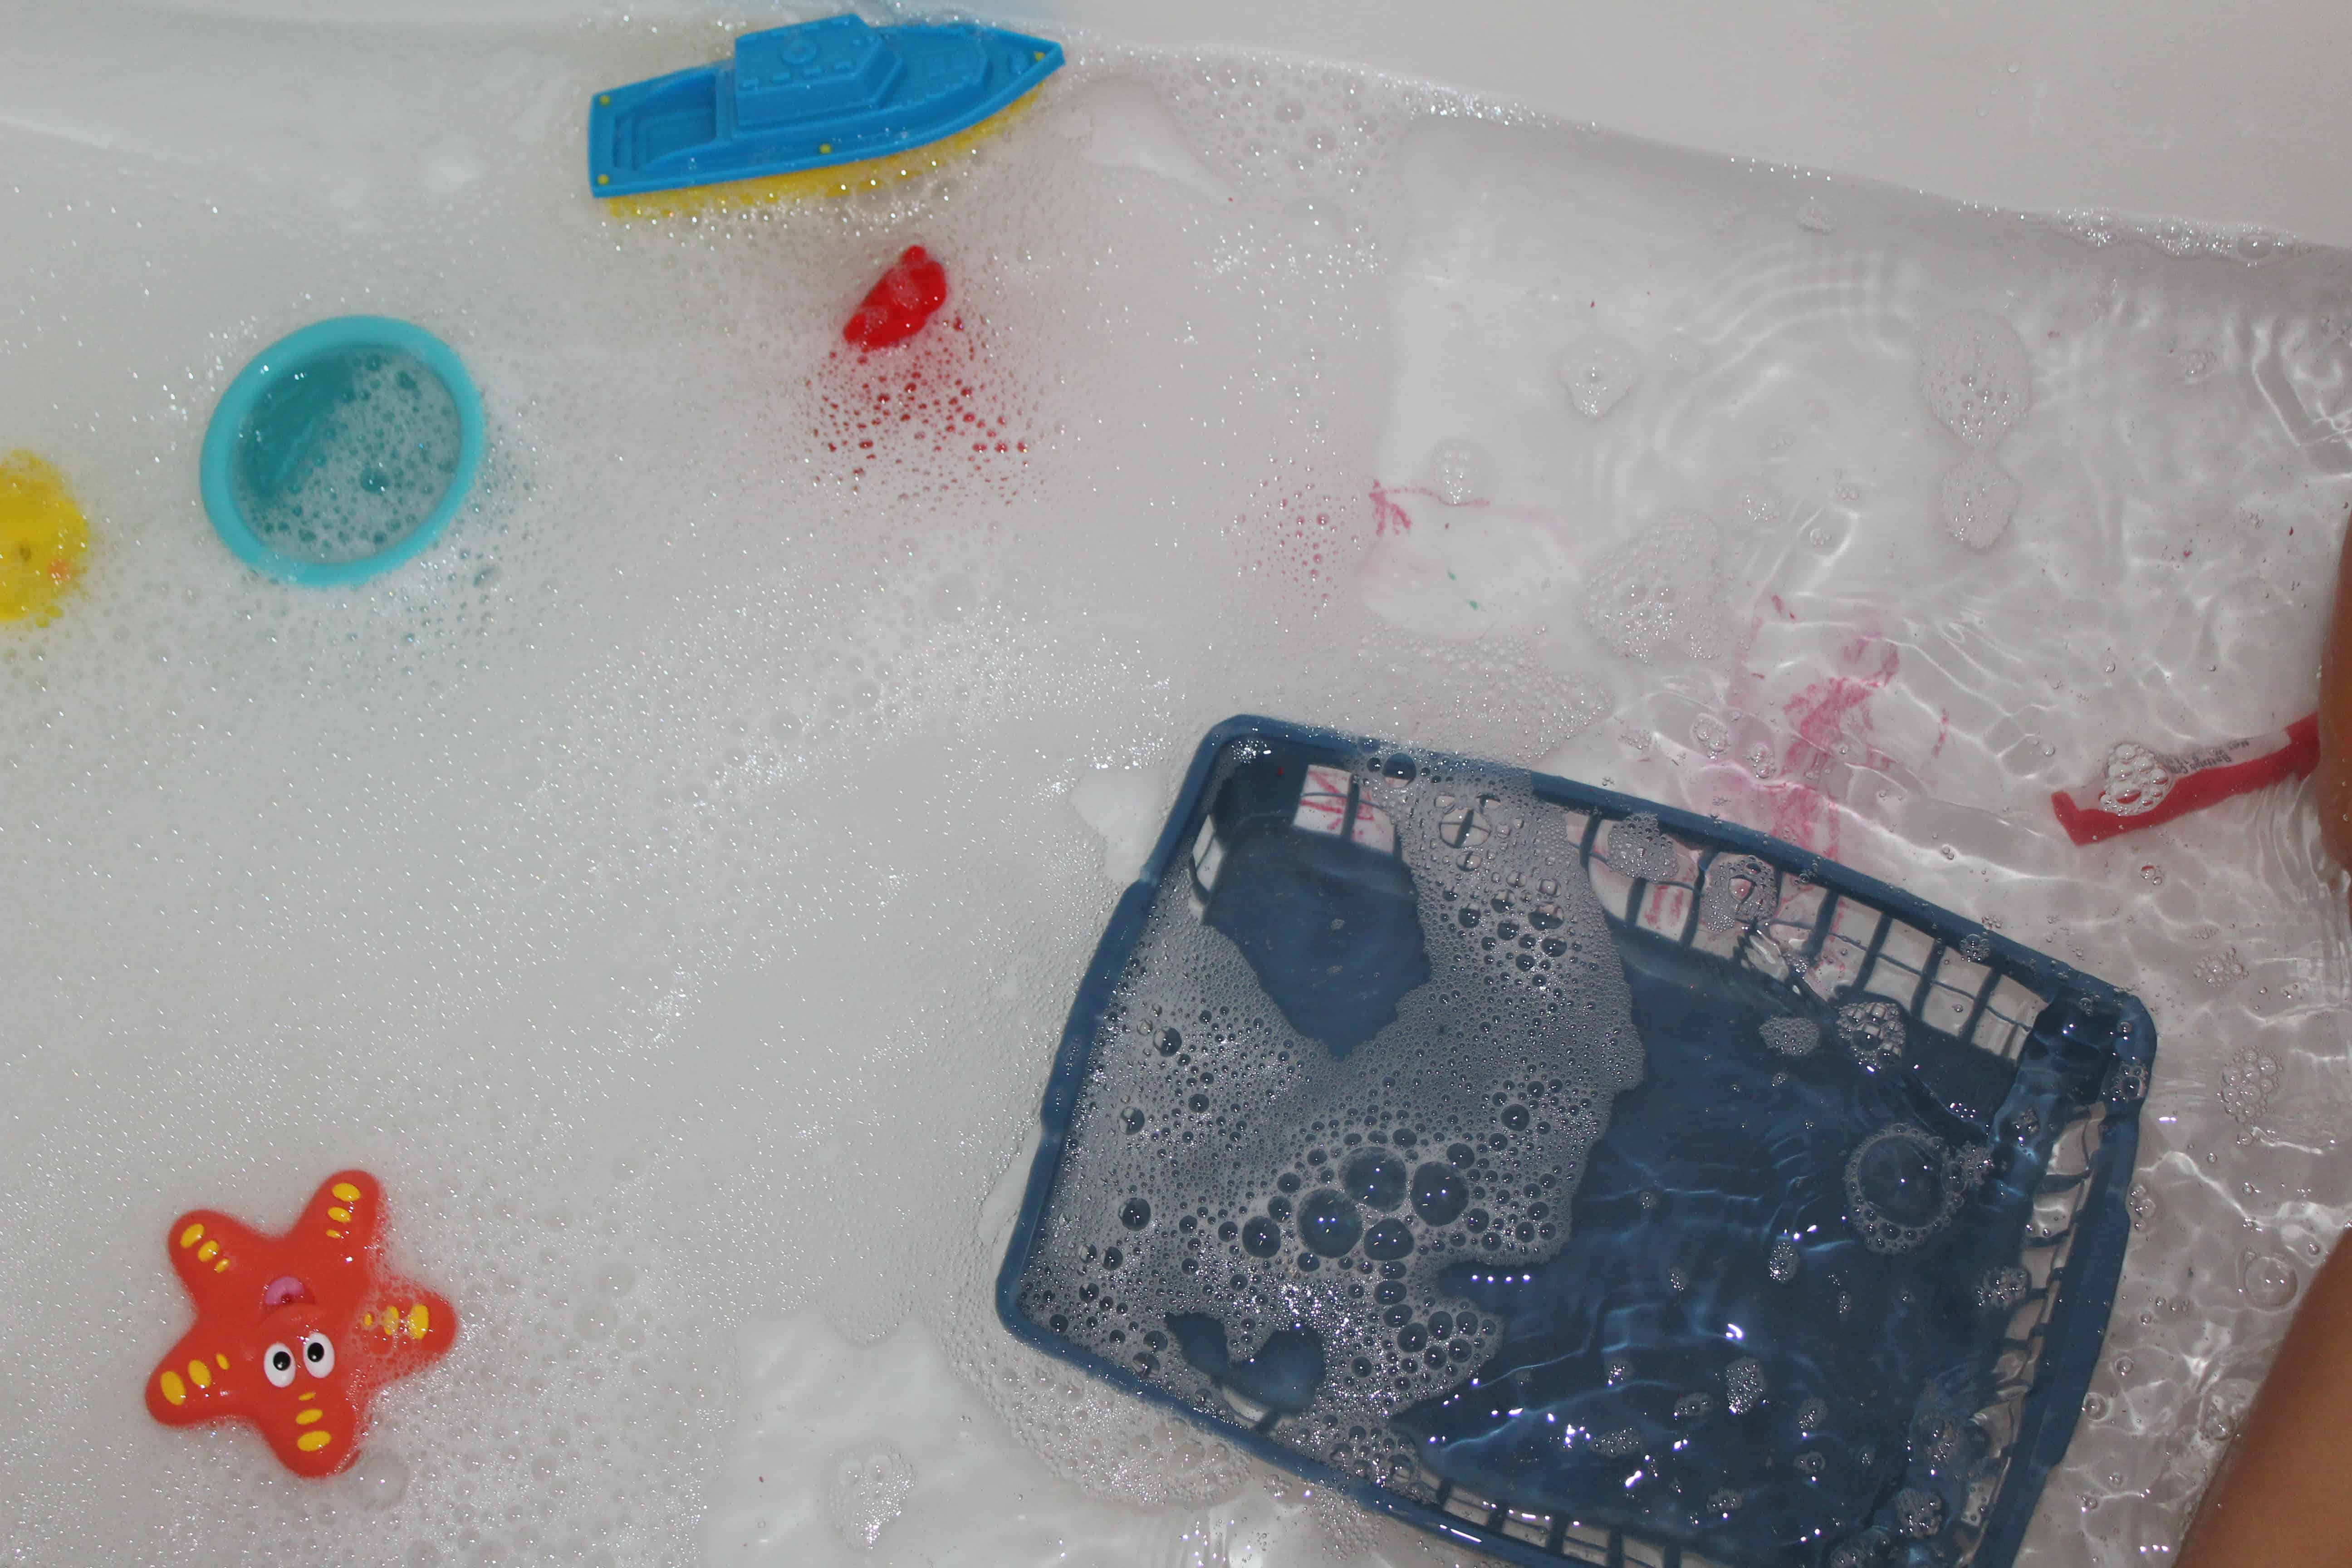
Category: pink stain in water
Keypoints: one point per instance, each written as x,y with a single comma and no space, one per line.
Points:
1829,733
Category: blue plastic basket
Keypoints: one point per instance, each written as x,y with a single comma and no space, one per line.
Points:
1732,928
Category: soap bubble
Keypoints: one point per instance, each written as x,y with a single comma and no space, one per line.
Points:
1743,1384
1791,1036
1975,376
1817,216
2135,780
2268,1281
1660,593
1918,1514
1904,1184
1457,472
867,1489
1874,1031
2002,1287
1977,499
1637,847
1598,373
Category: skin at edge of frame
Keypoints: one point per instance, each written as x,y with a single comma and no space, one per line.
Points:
2333,783
2282,1497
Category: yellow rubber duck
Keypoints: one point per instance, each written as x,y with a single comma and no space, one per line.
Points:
43,538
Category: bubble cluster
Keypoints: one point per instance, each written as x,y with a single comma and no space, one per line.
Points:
1636,846
1598,373
1660,592
1977,499
1903,1184
1975,376
2268,1281
867,1489
1791,1036
346,455
1457,472
1978,380
1743,1386
2003,1288
1874,1031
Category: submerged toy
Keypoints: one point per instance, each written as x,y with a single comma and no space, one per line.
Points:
296,1334
342,450
821,108
2141,787
895,307
1579,1178
42,537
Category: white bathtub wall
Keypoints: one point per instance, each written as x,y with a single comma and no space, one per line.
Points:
2211,108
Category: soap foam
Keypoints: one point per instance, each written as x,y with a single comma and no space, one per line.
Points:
1226,1169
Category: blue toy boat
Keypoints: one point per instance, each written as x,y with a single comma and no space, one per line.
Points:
798,106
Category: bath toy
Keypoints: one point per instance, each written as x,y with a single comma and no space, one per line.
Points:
1575,1177
296,1333
342,450
895,307
42,537
2141,787
819,108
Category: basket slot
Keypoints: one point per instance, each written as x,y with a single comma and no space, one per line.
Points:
1665,909
2008,1018
1586,1543
1472,1506
1845,949
1536,1528
1615,892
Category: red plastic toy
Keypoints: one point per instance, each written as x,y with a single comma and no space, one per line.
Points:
296,1334
895,307
2142,787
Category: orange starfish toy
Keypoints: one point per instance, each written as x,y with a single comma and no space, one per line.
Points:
296,1334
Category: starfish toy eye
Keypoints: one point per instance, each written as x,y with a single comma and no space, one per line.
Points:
318,1355
278,1365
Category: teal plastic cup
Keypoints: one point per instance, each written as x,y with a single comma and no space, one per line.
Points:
342,450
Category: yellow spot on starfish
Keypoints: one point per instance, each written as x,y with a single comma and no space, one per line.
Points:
220,1266
312,1442
304,1417
344,1190
200,1374
419,1319
222,1360
192,1235
340,1215
42,537
173,1389
208,1252
336,1233
367,1319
